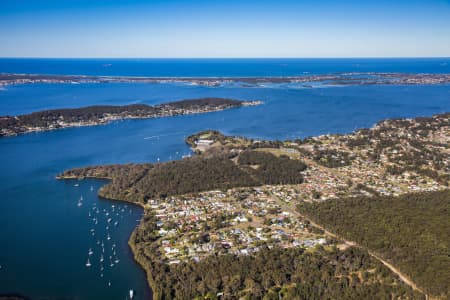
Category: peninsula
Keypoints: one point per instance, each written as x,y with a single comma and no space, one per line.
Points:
102,114
270,219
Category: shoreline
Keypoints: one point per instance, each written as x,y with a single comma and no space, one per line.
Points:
344,78
140,255
138,260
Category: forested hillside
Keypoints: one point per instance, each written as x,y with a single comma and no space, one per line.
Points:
411,231
140,182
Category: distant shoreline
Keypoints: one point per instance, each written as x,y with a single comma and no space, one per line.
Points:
349,78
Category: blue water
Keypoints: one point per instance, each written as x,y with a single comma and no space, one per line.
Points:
222,67
286,113
45,237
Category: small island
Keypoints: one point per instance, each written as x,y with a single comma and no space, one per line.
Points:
103,114
357,216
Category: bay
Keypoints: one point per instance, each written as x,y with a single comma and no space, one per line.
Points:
45,236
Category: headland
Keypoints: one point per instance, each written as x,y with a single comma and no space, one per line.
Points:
103,114
250,218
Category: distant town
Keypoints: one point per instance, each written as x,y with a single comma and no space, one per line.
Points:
306,81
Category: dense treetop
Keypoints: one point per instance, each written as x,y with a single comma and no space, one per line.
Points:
411,231
141,182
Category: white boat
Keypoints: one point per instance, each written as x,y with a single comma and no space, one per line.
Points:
109,283
116,223
90,252
88,263
131,294
108,237
92,188
101,258
76,185
117,260
79,203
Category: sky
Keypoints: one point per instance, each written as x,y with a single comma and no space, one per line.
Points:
222,29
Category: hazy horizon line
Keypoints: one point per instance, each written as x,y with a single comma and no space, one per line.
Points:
243,57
